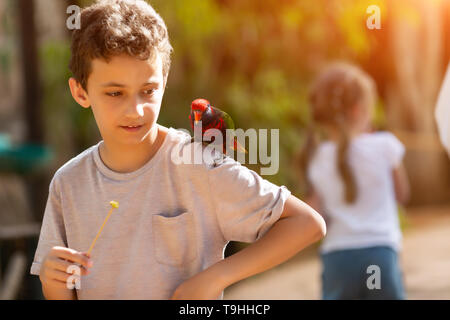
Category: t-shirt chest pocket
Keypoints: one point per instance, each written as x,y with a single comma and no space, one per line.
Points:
174,238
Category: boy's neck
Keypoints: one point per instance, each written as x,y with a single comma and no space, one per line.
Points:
129,158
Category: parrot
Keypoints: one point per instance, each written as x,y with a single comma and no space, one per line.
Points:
212,117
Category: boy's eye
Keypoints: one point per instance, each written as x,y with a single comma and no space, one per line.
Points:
113,94
149,91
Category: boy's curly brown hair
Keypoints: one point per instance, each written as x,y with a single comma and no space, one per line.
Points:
114,27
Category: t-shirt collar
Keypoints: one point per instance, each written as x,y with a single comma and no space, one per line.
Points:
129,175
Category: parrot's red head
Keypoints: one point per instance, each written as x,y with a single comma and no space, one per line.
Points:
198,106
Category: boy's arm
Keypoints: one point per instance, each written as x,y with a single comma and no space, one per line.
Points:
298,227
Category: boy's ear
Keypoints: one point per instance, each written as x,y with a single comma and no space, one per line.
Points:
78,93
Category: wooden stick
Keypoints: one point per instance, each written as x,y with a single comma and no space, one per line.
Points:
114,204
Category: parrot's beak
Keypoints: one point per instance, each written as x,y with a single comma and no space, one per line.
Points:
198,117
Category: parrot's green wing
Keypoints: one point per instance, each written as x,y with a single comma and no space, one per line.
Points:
228,120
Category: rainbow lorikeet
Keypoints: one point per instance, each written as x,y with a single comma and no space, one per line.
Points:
211,117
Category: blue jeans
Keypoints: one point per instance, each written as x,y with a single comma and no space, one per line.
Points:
345,274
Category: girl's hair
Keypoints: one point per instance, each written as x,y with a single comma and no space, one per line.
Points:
334,93
113,27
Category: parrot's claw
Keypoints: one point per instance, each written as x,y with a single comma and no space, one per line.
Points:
216,161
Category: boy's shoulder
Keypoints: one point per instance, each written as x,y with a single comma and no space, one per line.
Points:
178,136
87,157
183,151
177,148
75,166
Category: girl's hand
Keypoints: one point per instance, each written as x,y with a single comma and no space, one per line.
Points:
200,287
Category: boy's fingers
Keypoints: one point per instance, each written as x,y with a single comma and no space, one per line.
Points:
63,265
61,276
59,264
59,284
74,256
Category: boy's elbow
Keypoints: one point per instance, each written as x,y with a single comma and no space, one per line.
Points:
316,224
320,225
308,219
318,220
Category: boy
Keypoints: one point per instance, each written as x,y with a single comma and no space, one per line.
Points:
166,240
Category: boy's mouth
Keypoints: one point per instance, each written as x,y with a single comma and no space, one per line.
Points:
131,128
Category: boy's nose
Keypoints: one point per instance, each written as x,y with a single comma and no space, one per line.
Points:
135,108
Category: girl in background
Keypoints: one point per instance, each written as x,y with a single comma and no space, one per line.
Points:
355,178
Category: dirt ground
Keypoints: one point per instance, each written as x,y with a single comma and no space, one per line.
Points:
425,261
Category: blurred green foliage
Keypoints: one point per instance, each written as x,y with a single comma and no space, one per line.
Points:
253,59
6,47
68,126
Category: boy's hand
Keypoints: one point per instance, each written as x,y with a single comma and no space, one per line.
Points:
55,267
200,287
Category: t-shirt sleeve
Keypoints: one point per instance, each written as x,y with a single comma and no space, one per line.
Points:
394,149
52,229
246,204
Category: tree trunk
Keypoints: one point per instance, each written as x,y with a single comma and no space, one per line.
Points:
418,53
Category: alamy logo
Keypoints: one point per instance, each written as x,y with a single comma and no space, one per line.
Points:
74,21
374,281
74,281
374,21
211,154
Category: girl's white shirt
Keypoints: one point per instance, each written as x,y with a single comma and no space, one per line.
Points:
373,219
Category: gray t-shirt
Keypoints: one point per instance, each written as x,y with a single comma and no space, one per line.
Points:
174,219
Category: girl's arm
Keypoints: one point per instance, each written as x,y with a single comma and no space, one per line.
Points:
401,184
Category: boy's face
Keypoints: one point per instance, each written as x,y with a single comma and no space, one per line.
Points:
122,93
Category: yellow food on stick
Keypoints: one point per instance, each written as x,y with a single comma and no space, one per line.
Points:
114,205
